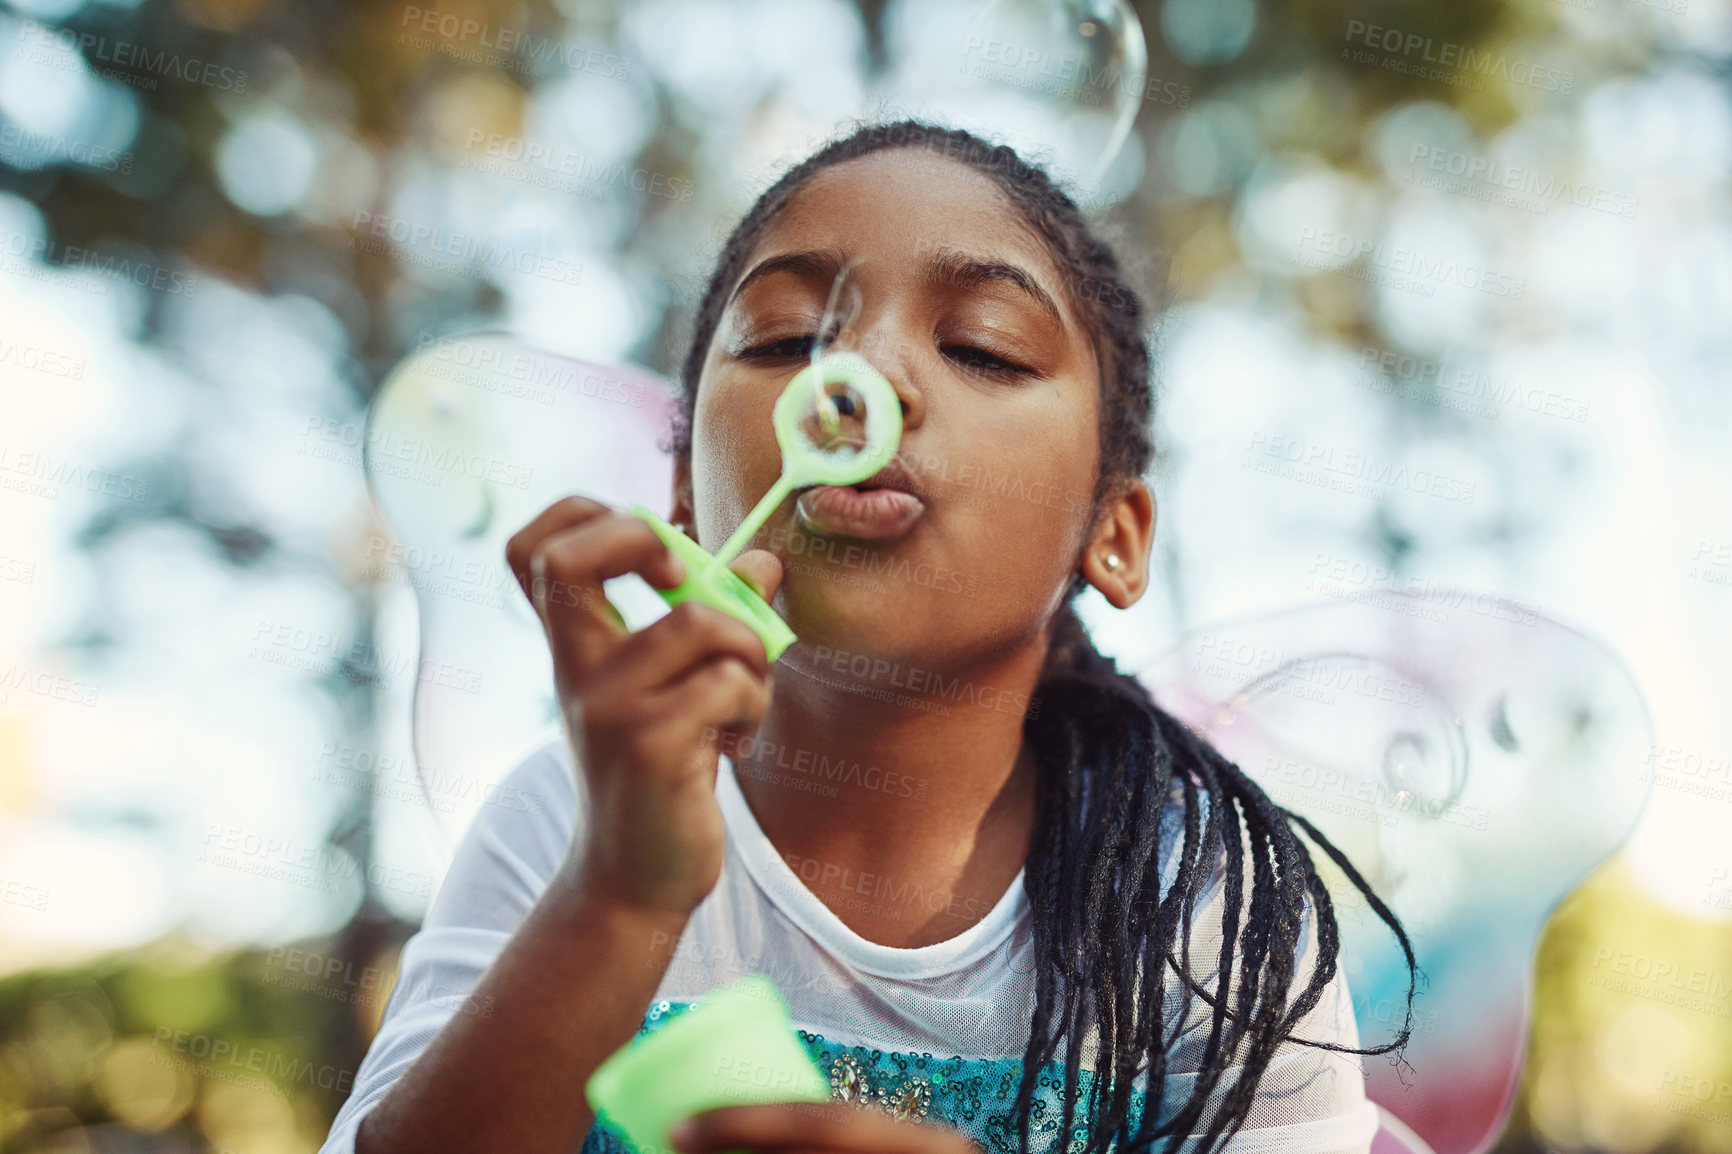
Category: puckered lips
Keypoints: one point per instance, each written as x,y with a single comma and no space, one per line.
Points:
883,507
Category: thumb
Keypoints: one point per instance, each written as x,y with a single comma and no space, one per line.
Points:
761,569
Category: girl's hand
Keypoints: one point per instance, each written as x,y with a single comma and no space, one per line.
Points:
647,710
827,1127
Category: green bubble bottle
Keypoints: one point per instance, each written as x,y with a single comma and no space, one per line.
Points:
736,1047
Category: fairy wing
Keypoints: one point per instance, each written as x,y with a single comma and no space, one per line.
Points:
1475,761
467,440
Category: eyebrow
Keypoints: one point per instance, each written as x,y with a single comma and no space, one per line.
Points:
817,264
952,268
948,268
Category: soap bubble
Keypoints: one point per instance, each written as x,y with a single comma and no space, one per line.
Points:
1062,81
468,438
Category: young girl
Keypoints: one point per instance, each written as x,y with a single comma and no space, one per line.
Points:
1012,904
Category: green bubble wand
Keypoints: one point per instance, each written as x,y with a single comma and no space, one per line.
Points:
837,422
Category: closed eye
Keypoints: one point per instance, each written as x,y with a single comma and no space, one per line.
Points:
970,357
786,348
980,361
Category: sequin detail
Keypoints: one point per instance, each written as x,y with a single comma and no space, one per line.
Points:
849,1083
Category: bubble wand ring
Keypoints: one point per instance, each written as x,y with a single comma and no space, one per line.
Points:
835,462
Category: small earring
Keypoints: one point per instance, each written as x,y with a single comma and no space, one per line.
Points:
1113,562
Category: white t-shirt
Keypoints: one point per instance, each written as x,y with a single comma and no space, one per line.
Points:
942,1025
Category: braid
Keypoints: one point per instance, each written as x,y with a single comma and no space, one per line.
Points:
1110,759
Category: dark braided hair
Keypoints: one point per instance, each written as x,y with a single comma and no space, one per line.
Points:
1109,761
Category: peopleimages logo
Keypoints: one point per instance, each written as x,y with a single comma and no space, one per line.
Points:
1463,388
23,678
754,753
40,359
888,897
16,893
483,366
1330,246
1072,75
1400,48
533,162
278,1067
155,62
1696,1095
43,475
428,461
1356,473
510,48
1670,973
17,143
1526,181
62,259
438,247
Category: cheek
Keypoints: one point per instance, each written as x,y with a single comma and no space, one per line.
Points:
1025,520
1033,525
735,459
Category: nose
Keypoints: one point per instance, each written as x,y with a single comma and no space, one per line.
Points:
889,353
912,398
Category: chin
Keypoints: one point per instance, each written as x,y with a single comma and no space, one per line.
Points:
836,612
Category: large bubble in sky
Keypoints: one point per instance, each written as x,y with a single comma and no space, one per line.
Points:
1062,81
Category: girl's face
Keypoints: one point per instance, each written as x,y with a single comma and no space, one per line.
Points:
968,318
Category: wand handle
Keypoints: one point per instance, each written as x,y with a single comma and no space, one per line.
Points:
754,520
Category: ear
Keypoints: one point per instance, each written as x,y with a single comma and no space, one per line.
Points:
1125,531
683,516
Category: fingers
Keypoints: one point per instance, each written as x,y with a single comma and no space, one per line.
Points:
678,733
686,682
761,569
664,572
833,1126
560,561
719,698
654,656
